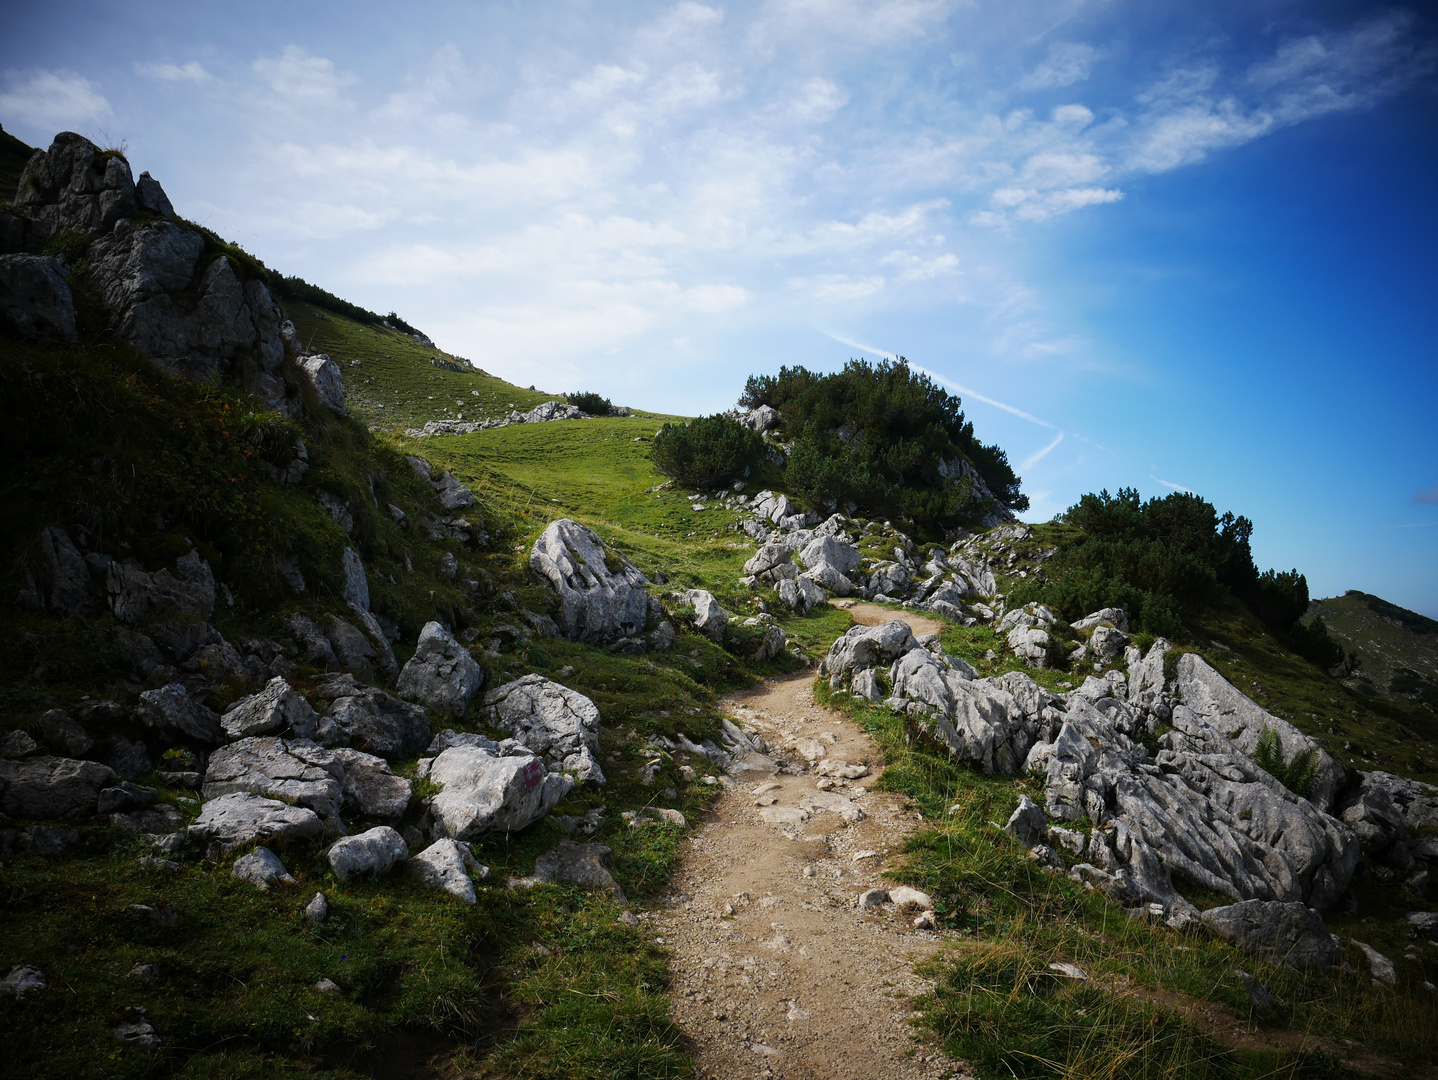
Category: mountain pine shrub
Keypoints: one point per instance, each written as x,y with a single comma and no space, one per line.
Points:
707,452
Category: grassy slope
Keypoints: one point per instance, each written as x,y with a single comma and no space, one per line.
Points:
1396,648
390,382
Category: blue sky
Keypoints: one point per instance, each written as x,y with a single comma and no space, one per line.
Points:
1159,244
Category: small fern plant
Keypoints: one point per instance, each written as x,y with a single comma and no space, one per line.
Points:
1297,774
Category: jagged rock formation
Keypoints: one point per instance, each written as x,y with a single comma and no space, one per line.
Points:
163,286
1198,809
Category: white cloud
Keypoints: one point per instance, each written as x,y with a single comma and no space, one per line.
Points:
51,100
1168,484
193,71
1066,64
837,288
911,268
298,77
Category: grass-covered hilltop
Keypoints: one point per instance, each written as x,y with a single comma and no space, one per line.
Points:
357,704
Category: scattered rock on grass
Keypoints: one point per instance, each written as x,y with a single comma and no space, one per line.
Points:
21,980
262,868
441,674
1290,933
370,854
447,865
242,818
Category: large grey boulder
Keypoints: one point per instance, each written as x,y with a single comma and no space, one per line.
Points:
772,506
297,771
322,376
442,674
35,298
369,719
135,594
1109,616
866,647
827,550
242,818
277,707
557,723
449,866
709,618
52,787
763,419
352,650
190,313
601,597
75,187
65,735
172,711
1027,823
369,854
371,790
1416,801
772,562
57,578
482,793
1288,933
453,495
1222,705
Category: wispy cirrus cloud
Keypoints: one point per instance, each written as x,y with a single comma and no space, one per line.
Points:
191,71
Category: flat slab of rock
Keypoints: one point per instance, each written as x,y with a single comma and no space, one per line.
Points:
449,866
52,787
1289,933
442,674
296,770
369,854
242,818
586,865
484,793
559,724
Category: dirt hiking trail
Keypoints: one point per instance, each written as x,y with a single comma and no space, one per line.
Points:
776,969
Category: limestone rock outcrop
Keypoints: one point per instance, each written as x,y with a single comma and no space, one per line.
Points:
482,792
557,723
442,674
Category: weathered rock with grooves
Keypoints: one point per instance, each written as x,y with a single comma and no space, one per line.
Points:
369,854
262,868
170,710
52,787
1223,706
442,674
135,594
275,708
449,866
557,723
35,298
297,771
484,793
601,597
1289,933
235,820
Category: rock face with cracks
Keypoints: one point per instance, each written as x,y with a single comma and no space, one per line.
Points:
559,724
297,771
52,787
482,792
441,674
598,604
